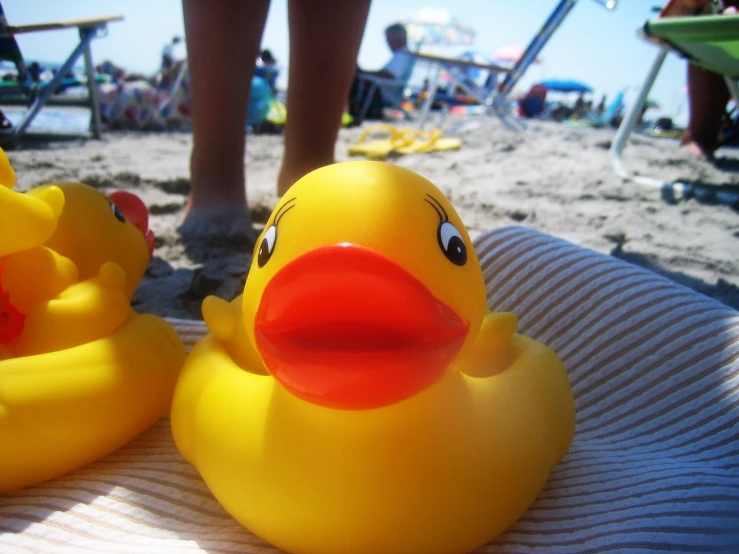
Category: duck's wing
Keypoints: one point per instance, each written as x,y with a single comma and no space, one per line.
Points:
36,275
492,351
226,322
85,312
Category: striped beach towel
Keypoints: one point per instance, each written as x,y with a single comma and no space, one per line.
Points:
654,465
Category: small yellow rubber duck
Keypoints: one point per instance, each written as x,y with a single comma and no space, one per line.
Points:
359,397
81,373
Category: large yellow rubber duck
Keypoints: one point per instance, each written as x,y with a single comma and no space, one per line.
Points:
359,398
81,373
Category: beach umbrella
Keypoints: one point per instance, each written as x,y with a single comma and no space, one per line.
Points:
565,85
510,53
432,26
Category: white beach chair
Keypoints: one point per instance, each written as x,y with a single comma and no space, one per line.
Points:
497,101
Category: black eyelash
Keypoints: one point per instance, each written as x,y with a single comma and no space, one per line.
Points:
280,216
440,207
283,210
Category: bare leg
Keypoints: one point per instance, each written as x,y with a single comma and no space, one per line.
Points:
223,41
324,42
708,96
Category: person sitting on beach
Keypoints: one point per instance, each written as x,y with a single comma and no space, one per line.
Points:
398,69
580,108
601,108
707,91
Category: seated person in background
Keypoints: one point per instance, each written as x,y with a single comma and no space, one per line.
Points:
398,69
580,107
707,91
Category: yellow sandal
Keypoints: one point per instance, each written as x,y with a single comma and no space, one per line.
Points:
430,142
380,148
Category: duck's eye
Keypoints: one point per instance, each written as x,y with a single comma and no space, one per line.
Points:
267,247
117,213
452,243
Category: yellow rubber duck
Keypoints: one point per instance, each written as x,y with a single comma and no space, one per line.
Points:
29,220
81,373
387,410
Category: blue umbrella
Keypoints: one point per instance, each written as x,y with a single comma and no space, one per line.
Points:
565,85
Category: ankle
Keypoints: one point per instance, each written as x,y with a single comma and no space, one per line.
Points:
215,192
697,150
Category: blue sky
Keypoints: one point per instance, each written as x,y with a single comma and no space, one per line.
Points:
597,46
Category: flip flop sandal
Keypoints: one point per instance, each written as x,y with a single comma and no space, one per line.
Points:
380,148
431,142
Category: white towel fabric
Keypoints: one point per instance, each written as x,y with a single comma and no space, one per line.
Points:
654,465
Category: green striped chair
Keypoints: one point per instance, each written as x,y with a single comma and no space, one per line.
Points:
711,41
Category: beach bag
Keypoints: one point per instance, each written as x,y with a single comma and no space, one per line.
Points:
260,101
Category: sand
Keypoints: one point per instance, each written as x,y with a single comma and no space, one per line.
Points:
554,178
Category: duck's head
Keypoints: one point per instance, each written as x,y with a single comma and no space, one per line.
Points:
364,287
94,228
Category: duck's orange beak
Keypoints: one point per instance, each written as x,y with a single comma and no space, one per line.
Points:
345,327
135,210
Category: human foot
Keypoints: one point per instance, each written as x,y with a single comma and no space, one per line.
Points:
229,223
697,151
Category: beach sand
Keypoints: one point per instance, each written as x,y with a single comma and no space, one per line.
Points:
554,178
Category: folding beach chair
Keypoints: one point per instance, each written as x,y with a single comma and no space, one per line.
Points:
457,70
39,93
496,100
711,41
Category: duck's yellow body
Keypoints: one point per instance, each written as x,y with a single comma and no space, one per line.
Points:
62,410
81,373
447,459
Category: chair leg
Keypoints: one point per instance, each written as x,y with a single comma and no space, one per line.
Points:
502,108
367,101
629,122
426,109
40,100
731,84
91,85
496,104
